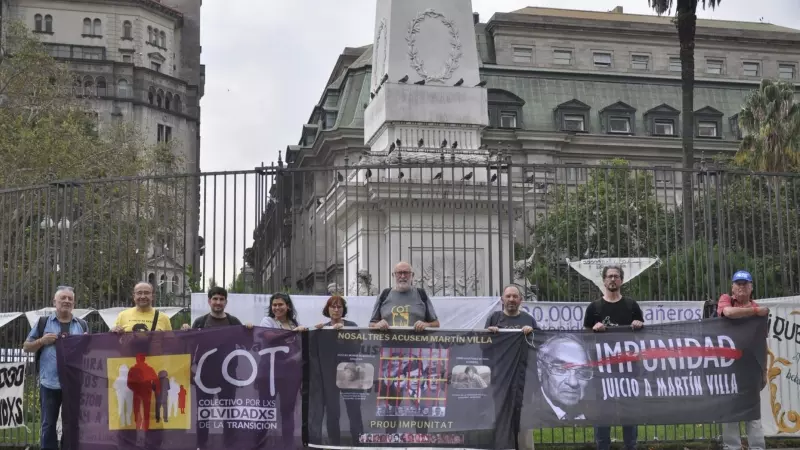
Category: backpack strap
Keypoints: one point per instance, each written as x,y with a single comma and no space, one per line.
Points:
383,297
83,324
425,300
155,321
40,326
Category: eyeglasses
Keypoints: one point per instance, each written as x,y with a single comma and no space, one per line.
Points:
582,373
142,293
403,273
613,277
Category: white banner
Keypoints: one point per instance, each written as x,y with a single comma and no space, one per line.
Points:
593,268
12,391
569,315
453,312
780,400
33,316
8,317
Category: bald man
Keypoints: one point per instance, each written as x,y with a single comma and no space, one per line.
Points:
403,305
143,316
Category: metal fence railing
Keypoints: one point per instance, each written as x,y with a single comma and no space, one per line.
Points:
467,229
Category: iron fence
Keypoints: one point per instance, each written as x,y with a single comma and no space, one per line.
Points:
467,229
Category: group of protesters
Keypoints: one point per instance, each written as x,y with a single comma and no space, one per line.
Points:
611,310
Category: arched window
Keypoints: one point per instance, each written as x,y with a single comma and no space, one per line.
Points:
102,90
175,286
160,98
149,34
127,30
87,26
77,87
163,39
37,22
154,40
162,283
123,88
505,109
151,93
177,101
88,86
97,30
48,23
168,100
151,278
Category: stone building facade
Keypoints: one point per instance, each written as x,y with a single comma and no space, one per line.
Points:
138,61
563,87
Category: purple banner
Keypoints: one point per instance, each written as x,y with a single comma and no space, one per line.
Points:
223,387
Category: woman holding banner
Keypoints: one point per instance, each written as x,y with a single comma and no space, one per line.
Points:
281,315
349,379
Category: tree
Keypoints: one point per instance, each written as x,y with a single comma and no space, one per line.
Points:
94,235
686,15
770,120
616,213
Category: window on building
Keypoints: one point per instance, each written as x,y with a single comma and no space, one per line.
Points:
163,37
751,69
95,53
159,98
123,88
127,59
664,127
664,175
102,88
175,286
640,62
88,86
151,95
714,66
154,41
562,57
575,174
127,30
707,129
675,65
330,119
733,121
508,119
155,66
602,59
87,26
149,34
786,71
164,133
573,122
37,23
505,109
177,101
97,28
48,23
168,100
523,55
59,50
619,125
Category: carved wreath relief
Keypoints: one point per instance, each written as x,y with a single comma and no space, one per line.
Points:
454,54
380,53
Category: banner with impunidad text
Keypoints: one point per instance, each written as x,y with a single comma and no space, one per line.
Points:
708,371
780,402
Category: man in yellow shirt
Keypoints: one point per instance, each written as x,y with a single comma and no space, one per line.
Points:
142,317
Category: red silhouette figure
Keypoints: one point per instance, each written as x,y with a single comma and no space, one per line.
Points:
142,380
182,399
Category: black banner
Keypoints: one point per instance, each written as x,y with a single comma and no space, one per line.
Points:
689,372
409,389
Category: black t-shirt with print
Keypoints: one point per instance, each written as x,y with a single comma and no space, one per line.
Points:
500,319
621,313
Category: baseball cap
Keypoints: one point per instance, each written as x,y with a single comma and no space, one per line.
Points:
742,275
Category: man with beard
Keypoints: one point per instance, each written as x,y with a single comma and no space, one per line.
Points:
217,301
511,317
403,305
613,310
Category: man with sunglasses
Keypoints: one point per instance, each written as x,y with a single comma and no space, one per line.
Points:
740,304
614,310
41,340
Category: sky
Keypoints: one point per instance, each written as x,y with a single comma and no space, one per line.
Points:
267,63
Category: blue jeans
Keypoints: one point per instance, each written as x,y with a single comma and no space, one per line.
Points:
602,435
50,401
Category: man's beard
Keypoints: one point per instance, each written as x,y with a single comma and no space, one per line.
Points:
612,288
402,286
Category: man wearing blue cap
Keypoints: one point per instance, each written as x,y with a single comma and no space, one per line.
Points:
737,305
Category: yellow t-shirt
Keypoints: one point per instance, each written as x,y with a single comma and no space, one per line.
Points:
130,318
